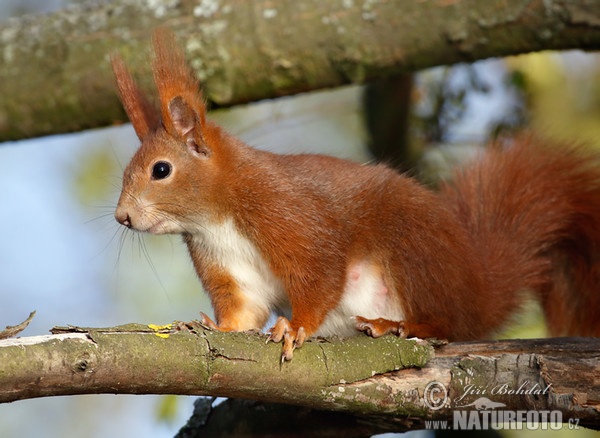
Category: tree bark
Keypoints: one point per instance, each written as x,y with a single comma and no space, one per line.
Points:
55,75
382,379
136,359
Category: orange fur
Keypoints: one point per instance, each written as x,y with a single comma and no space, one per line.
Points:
142,114
534,212
173,78
329,239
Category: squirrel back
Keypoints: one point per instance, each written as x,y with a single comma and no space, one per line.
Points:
335,246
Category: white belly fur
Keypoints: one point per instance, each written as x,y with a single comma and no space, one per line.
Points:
236,254
365,293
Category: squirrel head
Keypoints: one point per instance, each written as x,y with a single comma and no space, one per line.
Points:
170,184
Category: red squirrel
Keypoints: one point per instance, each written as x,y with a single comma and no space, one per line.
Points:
351,248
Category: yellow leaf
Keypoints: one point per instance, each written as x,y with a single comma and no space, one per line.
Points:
160,327
157,328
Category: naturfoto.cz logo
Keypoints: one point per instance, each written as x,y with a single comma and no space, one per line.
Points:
484,413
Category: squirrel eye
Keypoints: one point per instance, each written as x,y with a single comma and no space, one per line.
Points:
161,170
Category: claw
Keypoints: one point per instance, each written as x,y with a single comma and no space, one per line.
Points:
207,322
292,339
278,330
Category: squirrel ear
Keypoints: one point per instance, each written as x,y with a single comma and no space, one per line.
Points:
182,107
142,114
182,116
185,122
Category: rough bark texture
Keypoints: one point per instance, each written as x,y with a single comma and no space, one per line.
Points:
384,379
55,75
136,359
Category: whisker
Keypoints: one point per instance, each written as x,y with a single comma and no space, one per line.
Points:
122,237
117,159
153,267
97,218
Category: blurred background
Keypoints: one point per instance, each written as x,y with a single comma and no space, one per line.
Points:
63,255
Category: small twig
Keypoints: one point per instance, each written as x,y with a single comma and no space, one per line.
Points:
14,330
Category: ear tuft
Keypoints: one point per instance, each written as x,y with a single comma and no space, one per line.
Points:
142,114
178,89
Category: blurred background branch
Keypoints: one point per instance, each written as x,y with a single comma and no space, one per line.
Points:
55,75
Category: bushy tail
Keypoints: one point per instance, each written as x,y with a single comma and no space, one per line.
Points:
534,214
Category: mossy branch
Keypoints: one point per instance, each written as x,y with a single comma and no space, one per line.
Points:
385,378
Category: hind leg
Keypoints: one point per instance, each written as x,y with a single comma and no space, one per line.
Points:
404,329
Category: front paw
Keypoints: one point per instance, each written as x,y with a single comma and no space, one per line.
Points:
208,323
292,338
226,326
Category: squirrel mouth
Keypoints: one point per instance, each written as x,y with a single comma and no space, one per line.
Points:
157,228
163,226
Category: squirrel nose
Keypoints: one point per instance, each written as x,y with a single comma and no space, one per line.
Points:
123,218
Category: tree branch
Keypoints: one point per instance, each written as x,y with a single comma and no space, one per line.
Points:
13,330
385,378
55,75
136,359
